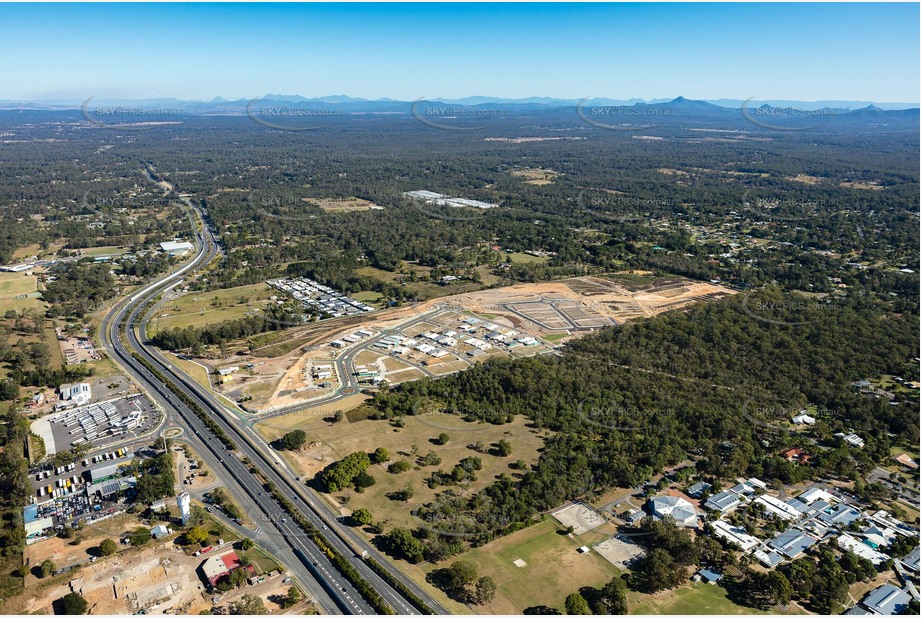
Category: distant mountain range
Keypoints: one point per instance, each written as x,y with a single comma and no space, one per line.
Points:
281,111
219,105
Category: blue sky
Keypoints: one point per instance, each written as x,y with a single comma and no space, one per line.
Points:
778,51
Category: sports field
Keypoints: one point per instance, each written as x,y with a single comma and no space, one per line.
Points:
553,568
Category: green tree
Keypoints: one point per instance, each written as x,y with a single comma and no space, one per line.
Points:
612,598
293,440
485,590
340,474
107,547
198,534
656,571
577,605
442,438
399,466
503,448
402,543
247,544
140,536
248,604
47,568
363,480
362,517
73,604
380,455
293,596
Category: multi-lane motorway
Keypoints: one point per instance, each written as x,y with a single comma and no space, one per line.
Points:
311,567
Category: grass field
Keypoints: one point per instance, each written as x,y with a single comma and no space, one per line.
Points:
194,370
556,337
36,250
17,284
347,204
368,297
51,340
110,250
203,308
554,568
339,439
527,258
694,598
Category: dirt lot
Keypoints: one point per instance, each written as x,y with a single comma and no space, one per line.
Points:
537,176
347,204
159,577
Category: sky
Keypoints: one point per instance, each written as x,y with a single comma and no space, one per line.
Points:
802,52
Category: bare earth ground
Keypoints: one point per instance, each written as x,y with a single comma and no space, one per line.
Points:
160,577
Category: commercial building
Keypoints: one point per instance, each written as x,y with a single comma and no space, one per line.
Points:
778,508
862,549
217,566
792,543
724,502
176,247
679,509
76,394
887,600
736,535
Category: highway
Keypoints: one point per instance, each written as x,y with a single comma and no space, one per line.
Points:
328,586
332,593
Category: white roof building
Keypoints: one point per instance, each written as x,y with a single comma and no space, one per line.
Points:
803,419
852,438
175,247
79,393
863,550
778,507
735,535
682,511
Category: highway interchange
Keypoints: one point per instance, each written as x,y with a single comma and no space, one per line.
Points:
123,332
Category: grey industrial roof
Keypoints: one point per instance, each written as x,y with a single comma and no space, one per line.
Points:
842,515
792,543
911,560
887,600
722,501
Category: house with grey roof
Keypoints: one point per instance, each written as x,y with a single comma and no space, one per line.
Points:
698,489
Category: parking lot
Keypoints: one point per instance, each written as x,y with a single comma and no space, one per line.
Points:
98,424
69,479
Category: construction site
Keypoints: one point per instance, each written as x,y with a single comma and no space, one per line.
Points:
441,336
